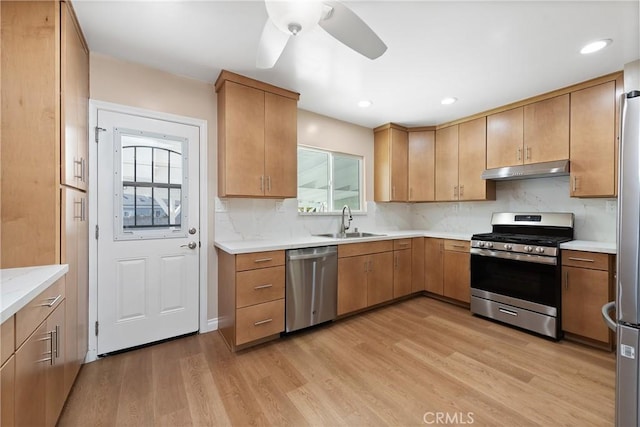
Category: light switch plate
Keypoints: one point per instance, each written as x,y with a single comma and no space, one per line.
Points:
280,206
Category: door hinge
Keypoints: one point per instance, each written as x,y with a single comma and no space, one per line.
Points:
96,328
97,231
97,132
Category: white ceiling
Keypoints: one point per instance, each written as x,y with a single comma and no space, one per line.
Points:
486,54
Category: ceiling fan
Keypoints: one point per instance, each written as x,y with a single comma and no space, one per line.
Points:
291,17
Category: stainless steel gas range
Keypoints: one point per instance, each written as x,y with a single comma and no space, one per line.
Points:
516,270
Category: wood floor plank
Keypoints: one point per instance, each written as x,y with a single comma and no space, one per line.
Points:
396,365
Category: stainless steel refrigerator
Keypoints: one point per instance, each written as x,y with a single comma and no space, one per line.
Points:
627,303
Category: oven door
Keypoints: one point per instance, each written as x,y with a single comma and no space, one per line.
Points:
531,278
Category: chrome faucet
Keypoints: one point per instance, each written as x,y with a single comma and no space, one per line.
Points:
344,228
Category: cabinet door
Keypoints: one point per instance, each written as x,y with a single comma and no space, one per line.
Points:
32,360
505,138
352,283
593,141
417,264
402,261
422,166
241,122
433,264
456,276
7,392
399,165
82,324
380,278
584,292
281,146
75,102
472,154
546,130
55,393
447,163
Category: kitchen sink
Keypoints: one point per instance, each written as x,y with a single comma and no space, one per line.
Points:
348,235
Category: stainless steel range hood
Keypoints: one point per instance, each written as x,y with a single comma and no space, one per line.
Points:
532,170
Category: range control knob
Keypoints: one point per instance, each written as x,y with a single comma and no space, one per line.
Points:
489,245
528,248
508,246
540,250
481,244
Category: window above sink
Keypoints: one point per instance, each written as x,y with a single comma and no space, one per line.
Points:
329,180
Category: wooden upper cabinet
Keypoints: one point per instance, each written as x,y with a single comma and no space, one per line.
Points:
391,145
593,141
505,132
472,153
447,163
75,102
257,138
281,148
422,166
546,130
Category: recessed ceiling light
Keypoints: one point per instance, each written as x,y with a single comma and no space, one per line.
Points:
365,103
448,100
595,46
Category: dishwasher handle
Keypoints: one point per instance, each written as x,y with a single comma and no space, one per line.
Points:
308,256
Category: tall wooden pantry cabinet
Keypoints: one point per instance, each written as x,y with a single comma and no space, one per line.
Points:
44,134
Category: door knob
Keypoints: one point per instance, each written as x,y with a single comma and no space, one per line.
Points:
190,245
192,230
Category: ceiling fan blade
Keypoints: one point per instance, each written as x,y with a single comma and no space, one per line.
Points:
347,27
272,43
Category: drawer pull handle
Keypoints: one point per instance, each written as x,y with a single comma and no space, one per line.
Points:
46,359
509,312
581,259
262,322
257,288
52,301
263,260
459,246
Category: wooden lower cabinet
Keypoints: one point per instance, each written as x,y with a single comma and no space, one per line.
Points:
251,290
417,264
402,262
433,265
365,275
39,373
7,392
447,265
352,283
587,284
380,278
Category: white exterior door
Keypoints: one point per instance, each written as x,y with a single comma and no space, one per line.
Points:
148,219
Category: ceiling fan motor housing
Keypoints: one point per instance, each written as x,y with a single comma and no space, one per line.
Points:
292,17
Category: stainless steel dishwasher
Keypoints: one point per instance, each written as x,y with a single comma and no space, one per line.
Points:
311,286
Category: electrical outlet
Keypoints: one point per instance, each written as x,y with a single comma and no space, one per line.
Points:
455,207
280,206
611,205
221,205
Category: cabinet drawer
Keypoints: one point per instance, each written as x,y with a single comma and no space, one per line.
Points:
31,315
259,260
8,336
257,286
456,245
401,244
259,321
355,249
592,260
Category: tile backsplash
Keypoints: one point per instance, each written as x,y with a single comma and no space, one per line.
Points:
248,219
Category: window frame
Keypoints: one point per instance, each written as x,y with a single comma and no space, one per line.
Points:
331,209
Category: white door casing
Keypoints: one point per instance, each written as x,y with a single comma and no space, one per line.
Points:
148,274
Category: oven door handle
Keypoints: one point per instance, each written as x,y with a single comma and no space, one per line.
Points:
514,256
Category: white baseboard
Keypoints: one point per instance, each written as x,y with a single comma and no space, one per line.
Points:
212,325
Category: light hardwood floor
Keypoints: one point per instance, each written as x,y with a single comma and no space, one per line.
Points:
399,365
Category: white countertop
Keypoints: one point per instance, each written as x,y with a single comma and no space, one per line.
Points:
590,246
247,246
18,286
